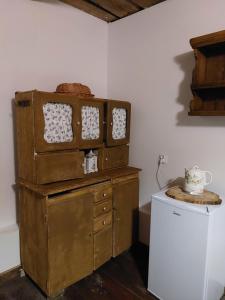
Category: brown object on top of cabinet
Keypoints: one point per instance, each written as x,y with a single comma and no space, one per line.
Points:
67,229
208,82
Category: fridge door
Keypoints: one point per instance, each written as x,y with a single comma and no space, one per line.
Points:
178,248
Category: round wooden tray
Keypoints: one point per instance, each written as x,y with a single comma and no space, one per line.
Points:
206,197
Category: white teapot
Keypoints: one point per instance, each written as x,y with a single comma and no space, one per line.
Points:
195,180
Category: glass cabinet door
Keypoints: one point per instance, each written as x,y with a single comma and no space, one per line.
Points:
55,122
117,122
90,123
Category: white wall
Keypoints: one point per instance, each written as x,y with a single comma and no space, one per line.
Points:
150,64
42,44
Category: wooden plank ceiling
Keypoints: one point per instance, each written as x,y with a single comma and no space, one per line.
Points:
111,10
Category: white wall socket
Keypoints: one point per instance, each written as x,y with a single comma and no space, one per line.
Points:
163,159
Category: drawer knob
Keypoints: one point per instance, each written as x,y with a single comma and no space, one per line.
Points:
78,122
104,195
104,208
106,158
104,222
111,124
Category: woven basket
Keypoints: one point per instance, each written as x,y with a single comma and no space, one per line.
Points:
76,89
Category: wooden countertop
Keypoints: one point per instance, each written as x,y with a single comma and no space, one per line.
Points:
62,186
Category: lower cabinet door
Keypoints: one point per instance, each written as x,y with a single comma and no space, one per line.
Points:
125,214
70,241
102,246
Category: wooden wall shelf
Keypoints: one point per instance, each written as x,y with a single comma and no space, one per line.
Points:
208,81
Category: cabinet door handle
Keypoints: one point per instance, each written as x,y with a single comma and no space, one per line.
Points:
176,213
104,208
106,158
78,122
104,195
104,222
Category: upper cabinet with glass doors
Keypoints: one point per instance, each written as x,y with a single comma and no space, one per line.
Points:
117,122
63,122
56,133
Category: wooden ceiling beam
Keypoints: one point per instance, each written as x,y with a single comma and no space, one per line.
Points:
91,9
119,8
146,3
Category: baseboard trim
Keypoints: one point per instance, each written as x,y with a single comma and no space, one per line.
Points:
10,274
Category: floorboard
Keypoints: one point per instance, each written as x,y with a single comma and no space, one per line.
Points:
122,278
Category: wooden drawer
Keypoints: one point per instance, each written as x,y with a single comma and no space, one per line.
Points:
102,221
114,157
102,246
59,166
102,191
102,208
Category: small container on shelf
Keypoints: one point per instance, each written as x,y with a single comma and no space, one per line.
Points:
91,162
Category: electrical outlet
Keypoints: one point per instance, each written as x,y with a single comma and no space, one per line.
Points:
163,159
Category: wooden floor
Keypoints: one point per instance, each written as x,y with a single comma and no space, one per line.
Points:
122,278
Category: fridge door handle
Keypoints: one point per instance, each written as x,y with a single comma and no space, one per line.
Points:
176,213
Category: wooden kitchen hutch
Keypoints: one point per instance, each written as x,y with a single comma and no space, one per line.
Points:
72,222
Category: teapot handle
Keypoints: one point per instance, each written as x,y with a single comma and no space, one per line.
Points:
209,177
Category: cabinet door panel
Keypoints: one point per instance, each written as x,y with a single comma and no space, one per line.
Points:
59,166
90,123
118,122
55,121
125,215
70,220
102,246
113,157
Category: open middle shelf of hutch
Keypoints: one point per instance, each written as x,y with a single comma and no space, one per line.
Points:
208,82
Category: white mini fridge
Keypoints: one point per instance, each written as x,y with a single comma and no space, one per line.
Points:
187,250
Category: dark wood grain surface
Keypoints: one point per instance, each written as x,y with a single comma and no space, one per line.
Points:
122,278
111,10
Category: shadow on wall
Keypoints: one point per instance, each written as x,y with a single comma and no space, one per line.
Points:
144,223
186,62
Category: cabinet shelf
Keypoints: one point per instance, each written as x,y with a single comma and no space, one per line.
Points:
213,85
206,113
